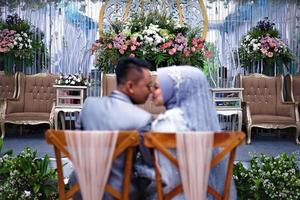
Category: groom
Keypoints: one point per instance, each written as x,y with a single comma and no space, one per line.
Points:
119,112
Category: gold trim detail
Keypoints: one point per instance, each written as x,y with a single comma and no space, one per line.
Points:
126,13
205,18
101,15
179,12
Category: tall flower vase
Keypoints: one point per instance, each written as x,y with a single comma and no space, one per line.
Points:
95,80
7,63
267,67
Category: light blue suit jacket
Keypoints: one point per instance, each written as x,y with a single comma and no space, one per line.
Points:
114,112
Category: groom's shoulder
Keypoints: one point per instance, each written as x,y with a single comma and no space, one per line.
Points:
113,104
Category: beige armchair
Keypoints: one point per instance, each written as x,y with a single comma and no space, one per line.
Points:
109,84
263,104
34,104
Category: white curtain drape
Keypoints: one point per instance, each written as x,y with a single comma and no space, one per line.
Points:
91,155
194,153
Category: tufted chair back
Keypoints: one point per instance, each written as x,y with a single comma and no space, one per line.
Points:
8,86
36,93
39,92
260,92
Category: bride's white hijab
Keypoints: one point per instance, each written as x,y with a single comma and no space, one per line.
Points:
187,87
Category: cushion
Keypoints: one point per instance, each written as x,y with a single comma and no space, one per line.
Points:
259,119
28,116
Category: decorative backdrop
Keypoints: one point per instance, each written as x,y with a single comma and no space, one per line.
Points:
71,26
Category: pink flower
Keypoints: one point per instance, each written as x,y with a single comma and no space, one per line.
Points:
166,45
186,52
121,51
134,42
110,46
270,54
193,49
208,54
172,51
194,42
264,51
200,46
132,55
124,47
133,48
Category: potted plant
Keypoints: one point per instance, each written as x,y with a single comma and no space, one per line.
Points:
154,37
268,178
26,177
263,47
18,43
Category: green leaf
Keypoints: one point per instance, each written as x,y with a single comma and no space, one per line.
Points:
36,188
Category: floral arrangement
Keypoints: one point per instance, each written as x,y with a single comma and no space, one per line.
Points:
263,43
268,178
72,80
18,41
153,37
26,177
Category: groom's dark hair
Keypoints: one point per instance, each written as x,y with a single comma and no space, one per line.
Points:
129,66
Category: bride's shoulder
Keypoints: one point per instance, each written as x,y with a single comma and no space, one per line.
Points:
170,119
173,112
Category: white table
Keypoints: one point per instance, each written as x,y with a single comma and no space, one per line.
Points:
228,103
69,100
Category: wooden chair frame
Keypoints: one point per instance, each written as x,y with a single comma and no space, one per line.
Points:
227,141
127,141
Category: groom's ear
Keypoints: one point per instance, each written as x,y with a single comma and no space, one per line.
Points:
129,86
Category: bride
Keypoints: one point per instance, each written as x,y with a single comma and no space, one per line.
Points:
184,91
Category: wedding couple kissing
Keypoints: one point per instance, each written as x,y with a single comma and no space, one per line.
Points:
183,90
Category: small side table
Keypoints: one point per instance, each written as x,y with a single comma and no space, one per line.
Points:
228,103
69,99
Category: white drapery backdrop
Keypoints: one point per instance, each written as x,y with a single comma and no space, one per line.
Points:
70,27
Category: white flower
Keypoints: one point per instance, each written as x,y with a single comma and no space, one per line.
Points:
20,38
27,193
72,82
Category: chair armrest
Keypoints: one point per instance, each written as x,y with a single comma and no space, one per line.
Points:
51,118
288,109
246,112
13,106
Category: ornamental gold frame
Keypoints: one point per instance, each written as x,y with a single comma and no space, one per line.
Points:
180,13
